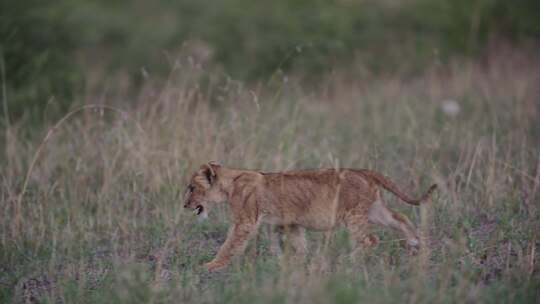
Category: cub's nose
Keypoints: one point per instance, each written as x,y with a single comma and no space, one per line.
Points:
186,206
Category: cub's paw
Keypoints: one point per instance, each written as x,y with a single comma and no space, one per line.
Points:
213,266
370,241
413,246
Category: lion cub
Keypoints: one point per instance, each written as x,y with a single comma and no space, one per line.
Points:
319,199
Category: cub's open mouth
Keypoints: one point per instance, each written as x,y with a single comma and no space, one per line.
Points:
199,209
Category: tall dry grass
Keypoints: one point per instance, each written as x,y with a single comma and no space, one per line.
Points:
91,208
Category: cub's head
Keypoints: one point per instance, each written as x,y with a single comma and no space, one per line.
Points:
204,190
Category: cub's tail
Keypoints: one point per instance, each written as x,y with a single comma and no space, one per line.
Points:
390,186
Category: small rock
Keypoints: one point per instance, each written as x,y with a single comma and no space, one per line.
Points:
450,107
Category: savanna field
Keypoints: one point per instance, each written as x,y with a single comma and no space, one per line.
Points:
92,205
107,108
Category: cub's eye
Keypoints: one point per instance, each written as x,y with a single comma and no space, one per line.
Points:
190,188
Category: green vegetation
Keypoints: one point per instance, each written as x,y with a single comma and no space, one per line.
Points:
101,218
423,91
50,47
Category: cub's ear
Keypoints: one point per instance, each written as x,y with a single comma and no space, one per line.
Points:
210,170
214,164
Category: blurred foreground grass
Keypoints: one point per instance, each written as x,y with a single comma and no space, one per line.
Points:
101,219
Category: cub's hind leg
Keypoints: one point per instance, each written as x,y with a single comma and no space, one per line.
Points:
380,214
357,222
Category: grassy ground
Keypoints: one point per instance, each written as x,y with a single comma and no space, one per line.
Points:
100,218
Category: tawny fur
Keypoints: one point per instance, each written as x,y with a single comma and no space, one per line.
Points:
320,199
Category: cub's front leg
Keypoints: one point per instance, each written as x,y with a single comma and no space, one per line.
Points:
236,242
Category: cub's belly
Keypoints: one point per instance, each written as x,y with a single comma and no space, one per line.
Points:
308,221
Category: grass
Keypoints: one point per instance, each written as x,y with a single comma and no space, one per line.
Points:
99,218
